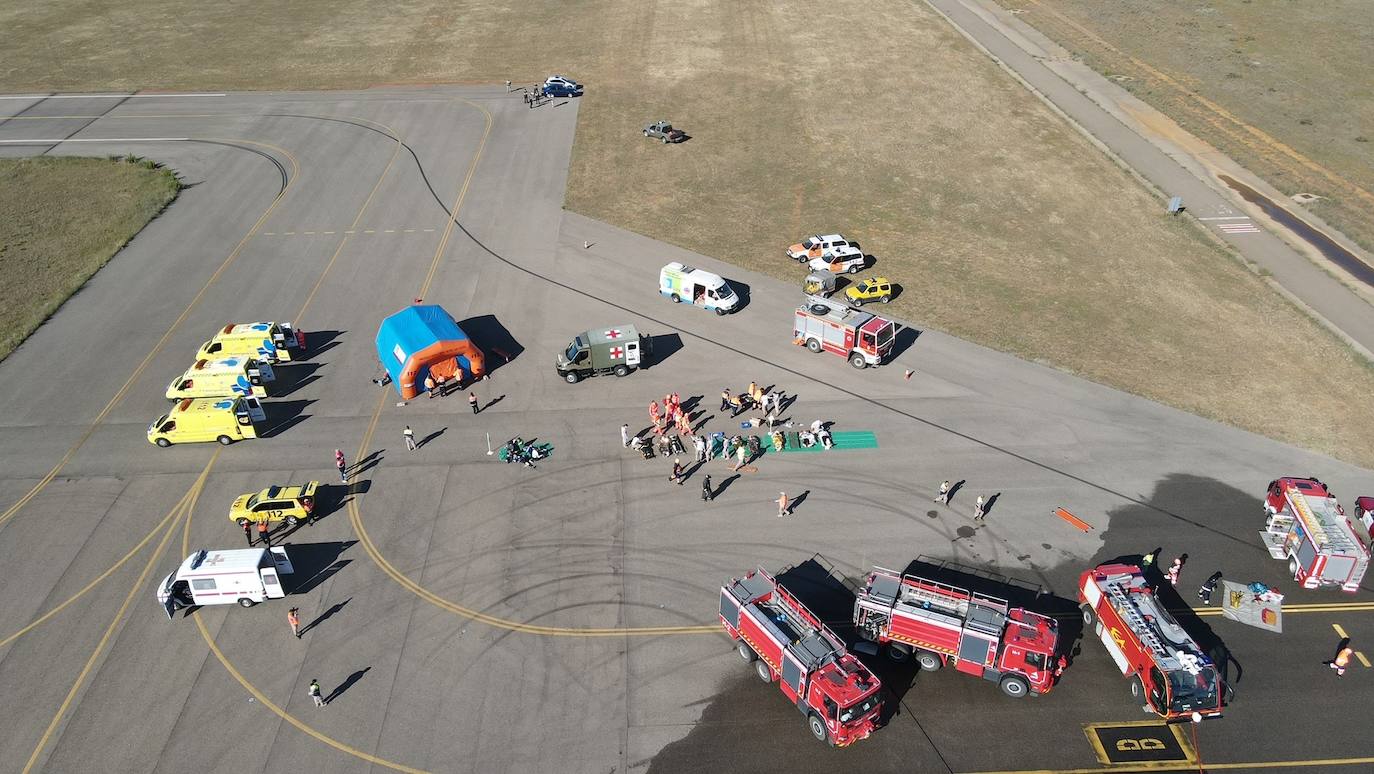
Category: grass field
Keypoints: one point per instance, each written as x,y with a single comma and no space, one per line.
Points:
1281,87
61,219
872,118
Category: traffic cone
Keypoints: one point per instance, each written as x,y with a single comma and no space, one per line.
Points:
909,372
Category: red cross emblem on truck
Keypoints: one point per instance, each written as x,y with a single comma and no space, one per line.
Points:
617,352
613,333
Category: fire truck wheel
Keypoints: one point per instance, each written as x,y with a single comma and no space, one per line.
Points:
1014,686
245,602
1293,567
761,669
813,344
929,662
897,653
1089,618
1138,688
858,361
818,729
745,652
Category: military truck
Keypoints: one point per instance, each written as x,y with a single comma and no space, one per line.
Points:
616,350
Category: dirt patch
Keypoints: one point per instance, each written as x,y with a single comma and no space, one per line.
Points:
874,119
1246,77
62,219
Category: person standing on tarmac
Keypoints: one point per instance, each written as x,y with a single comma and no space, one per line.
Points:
339,463
248,532
707,493
293,617
264,534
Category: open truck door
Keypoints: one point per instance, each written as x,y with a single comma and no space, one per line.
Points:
632,354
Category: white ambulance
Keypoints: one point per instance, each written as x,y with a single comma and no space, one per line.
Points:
245,576
683,284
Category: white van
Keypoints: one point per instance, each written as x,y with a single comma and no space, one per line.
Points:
243,575
683,284
222,378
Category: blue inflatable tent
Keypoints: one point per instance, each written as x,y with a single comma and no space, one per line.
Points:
422,341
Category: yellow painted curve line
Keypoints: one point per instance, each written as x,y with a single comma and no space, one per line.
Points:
355,519
355,516
260,696
138,371
171,515
1263,137
187,504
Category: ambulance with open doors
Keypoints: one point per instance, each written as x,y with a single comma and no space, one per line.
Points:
686,285
242,576
196,420
222,378
269,341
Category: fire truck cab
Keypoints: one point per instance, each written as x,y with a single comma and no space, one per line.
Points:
1170,674
787,643
1309,528
979,635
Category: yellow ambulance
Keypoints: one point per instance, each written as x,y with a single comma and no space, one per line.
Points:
208,419
267,341
222,378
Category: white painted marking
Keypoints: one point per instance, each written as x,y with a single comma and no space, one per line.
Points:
41,141
105,96
1239,228
1228,217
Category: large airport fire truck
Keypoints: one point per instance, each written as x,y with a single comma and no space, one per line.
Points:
1309,528
978,634
787,643
822,325
1170,674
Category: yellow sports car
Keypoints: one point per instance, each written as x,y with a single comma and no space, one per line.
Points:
275,503
871,289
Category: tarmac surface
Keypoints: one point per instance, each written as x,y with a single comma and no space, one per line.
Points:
469,616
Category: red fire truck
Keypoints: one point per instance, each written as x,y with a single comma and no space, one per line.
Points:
1309,528
786,642
823,325
1170,674
978,634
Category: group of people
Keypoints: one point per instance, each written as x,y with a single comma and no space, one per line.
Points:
671,416
754,396
519,450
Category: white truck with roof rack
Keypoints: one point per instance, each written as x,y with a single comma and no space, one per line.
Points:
245,576
1308,527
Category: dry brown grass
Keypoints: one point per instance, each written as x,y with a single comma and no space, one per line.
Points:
872,118
1296,71
62,219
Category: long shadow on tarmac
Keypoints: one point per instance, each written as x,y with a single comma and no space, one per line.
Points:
498,346
314,563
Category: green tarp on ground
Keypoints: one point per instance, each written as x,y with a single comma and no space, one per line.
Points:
845,440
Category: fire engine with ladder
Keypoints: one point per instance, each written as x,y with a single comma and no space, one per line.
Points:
1309,528
787,643
1170,674
978,634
